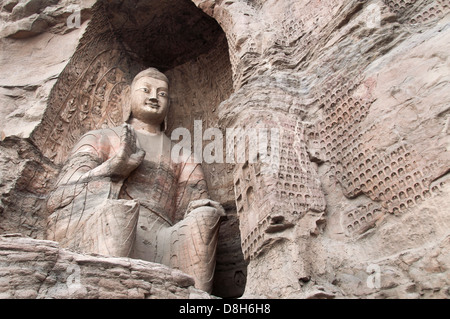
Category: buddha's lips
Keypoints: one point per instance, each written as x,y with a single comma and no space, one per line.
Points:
152,105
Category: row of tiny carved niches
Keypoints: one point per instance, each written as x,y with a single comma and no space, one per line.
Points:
394,180
270,200
416,13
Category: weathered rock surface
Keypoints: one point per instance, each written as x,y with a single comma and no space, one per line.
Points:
25,177
35,46
41,269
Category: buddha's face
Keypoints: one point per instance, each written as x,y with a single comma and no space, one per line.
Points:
150,100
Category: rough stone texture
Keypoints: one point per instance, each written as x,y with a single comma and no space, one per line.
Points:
362,120
25,177
362,104
41,269
34,36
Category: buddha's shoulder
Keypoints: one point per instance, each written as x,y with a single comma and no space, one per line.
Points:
101,137
114,132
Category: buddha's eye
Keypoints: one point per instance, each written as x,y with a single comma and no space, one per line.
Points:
144,90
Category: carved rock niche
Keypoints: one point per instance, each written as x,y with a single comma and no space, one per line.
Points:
123,38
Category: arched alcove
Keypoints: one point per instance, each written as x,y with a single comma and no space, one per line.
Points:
123,38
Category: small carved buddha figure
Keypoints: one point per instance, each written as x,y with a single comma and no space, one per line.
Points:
122,193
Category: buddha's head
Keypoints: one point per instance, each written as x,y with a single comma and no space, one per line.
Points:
149,101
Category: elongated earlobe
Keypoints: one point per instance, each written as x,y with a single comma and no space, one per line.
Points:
164,125
126,106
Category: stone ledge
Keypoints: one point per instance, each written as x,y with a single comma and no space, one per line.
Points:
41,269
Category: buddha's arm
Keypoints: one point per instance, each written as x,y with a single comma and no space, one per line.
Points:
191,186
106,157
73,180
192,191
85,213
113,154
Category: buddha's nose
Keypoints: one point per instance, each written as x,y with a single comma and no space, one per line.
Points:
152,95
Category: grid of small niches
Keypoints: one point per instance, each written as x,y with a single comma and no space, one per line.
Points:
435,10
289,170
429,10
292,29
361,219
302,195
396,183
395,179
243,187
255,238
249,201
399,6
340,129
293,187
297,183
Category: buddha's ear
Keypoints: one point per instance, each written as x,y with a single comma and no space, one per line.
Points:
126,105
164,124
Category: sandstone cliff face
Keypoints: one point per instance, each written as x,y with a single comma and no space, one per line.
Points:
36,46
358,90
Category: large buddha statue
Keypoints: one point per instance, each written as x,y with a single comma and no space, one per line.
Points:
122,193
